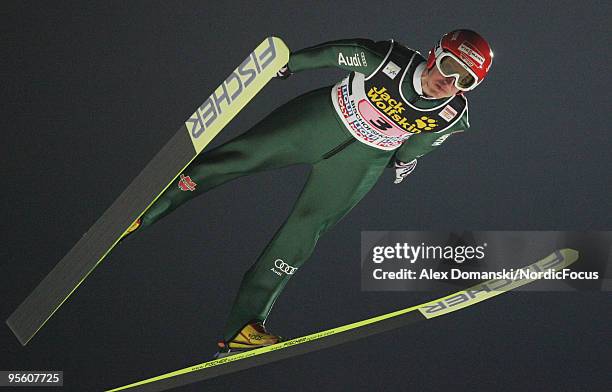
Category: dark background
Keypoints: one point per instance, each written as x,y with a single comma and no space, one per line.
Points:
91,92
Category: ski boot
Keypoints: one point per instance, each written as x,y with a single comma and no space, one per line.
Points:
253,335
133,227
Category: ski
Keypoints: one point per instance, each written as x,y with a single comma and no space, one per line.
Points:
556,261
192,137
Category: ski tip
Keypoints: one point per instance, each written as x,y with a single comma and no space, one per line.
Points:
570,255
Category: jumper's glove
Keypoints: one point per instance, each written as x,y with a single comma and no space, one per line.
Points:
402,169
283,73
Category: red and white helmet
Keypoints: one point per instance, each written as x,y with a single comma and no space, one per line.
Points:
470,49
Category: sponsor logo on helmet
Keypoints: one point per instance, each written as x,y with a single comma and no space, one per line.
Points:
470,54
186,183
280,268
355,60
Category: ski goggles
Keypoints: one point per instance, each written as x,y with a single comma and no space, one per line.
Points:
450,66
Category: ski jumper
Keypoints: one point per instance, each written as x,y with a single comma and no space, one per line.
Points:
348,134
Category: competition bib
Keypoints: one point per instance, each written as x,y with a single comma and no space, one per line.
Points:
374,110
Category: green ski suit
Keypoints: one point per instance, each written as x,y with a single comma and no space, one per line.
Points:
306,130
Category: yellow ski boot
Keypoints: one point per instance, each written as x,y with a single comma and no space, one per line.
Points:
253,335
133,227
